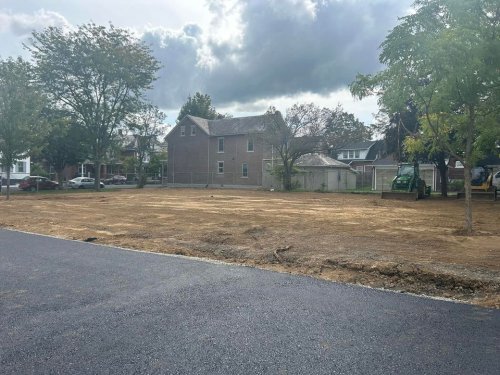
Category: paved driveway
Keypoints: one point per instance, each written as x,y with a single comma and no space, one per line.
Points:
76,308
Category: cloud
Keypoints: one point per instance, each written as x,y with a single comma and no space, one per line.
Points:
22,24
272,49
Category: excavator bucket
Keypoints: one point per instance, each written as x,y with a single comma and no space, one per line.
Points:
400,195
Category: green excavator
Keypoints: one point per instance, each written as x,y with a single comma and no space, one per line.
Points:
407,184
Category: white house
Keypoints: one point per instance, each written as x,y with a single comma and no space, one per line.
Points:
18,171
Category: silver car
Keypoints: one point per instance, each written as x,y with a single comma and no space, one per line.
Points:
83,183
496,180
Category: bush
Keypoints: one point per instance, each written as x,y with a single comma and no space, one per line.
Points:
456,185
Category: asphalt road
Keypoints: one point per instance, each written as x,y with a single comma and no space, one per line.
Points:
76,308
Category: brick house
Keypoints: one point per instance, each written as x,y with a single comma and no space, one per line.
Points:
229,151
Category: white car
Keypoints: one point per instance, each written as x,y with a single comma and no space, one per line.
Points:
496,180
83,183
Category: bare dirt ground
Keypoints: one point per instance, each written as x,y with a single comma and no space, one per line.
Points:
402,245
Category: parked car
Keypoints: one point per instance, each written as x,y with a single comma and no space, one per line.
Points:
35,183
83,183
496,180
116,179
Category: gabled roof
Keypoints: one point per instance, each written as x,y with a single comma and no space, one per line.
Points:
232,126
318,160
364,145
373,147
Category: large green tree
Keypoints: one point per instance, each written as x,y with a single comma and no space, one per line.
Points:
63,144
21,104
199,105
444,56
299,133
97,73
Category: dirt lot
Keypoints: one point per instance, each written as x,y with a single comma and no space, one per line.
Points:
407,246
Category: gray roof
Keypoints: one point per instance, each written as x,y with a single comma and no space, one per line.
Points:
373,147
359,145
232,126
318,160
388,160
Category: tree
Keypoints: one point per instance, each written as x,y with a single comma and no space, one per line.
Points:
21,104
444,57
342,128
298,134
146,126
200,105
63,144
97,74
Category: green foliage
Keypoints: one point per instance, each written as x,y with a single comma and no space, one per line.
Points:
96,74
199,105
63,144
157,162
21,105
456,185
444,57
146,126
37,169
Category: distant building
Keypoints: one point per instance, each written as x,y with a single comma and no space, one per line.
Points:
229,151
17,172
360,155
320,172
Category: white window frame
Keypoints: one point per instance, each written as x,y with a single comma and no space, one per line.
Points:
345,154
244,170
220,149
250,142
220,167
183,130
356,154
193,130
351,154
23,167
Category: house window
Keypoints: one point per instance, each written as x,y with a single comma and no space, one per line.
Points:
250,145
244,170
351,154
356,154
220,167
221,145
193,130
21,167
183,131
344,154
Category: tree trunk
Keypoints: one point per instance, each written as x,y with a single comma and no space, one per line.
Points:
141,181
8,184
443,173
97,174
59,173
467,171
287,177
468,203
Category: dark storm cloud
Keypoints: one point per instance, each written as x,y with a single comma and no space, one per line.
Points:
179,58
286,48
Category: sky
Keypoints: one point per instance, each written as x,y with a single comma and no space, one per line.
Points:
246,54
